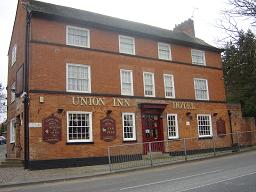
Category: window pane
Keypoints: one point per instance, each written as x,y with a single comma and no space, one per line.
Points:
129,126
204,125
126,45
77,36
201,89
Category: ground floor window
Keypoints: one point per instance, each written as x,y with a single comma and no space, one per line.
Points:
12,130
172,123
204,125
79,127
129,132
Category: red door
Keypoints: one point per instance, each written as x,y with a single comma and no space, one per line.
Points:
152,128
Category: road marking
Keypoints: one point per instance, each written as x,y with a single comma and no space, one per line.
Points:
232,178
168,180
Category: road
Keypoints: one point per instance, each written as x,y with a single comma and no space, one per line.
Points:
236,173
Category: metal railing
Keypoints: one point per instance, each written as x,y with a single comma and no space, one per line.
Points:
130,156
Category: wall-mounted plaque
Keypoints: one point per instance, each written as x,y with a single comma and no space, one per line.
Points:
221,127
51,129
108,128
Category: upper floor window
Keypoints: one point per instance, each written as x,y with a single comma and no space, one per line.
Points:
198,57
169,86
77,36
13,91
78,78
126,82
14,54
129,131
201,89
172,123
12,130
79,126
204,125
164,51
149,84
126,45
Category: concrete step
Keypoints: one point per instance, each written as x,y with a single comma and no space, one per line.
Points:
11,163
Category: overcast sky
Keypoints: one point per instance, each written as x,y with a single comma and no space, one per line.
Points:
160,13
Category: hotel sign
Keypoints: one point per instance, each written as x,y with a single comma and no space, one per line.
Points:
183,105
51,129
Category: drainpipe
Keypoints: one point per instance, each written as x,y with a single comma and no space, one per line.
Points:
26,87
231,128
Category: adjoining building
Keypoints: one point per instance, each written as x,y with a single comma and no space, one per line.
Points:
79,82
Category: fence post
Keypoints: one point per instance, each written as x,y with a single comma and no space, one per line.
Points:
109,160
213,143
238,142
185,149
150,155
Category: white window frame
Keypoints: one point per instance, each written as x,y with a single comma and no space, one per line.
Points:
133,127
198,53
90,128
12,130
169,51
80,28
153,83
89,77
210,121
165,86
13,91
121,81
127,37
14,54
176,126
207,89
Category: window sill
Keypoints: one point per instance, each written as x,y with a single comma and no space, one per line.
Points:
173,139
79,143
131,141
208,137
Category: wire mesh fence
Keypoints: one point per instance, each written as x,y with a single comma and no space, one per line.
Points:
129,156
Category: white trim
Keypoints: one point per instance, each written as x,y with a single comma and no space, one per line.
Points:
131,76
169,51
127,37
90,124
80,28
89,75
12,130
176,126
153,83
133,128
172,78
198,52
210,121
207,99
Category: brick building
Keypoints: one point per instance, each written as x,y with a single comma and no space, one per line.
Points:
79,82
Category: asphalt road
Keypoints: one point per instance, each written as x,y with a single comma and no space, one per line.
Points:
236,173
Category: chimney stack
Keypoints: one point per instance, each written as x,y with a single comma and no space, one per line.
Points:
186,27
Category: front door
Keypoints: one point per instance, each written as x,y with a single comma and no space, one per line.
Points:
152,131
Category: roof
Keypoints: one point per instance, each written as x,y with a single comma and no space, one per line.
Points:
48,9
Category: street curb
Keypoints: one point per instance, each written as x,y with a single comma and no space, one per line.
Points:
119,171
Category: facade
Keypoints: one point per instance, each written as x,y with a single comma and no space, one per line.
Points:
79,82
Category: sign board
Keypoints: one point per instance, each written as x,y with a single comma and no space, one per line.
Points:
108,129
51,129
221,127
35,125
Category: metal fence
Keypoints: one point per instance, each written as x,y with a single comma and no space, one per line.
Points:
130,156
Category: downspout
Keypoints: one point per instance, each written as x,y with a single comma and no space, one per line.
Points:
231,128
26,88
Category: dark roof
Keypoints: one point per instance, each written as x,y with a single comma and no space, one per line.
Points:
117,24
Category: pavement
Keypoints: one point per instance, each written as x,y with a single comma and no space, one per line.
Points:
233,173
18,176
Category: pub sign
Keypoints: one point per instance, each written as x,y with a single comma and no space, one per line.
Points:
51,129
108,128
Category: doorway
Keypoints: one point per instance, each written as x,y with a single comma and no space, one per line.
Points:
152,127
